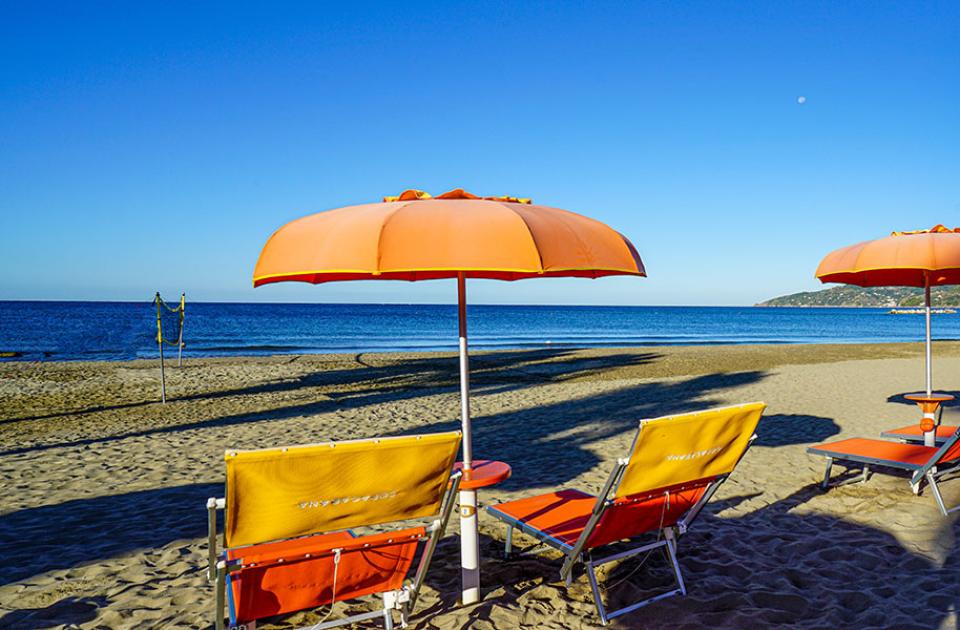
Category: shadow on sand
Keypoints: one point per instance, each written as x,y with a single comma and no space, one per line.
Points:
784,565
73,533
440,370
86,530
490,373
771,567
69,612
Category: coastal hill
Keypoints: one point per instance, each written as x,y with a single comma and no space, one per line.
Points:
883,297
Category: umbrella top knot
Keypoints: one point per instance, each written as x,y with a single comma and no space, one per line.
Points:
457,193
937,229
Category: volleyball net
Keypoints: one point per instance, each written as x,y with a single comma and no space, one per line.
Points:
169,332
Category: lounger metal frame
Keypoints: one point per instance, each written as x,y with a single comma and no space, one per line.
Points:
402,600
576,553
929,470
911,439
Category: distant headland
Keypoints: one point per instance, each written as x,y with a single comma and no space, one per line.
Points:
874,297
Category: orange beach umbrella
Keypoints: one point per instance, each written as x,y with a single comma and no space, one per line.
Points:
922,258
455,235
418,237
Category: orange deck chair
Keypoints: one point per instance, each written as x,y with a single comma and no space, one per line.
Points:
924,462
288,540
675,465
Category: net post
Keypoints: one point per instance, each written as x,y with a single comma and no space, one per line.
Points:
163,380
183,298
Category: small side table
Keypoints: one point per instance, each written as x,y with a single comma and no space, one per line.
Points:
929,404
482,473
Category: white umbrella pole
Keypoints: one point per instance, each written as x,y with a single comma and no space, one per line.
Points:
469,537
929,437
926,301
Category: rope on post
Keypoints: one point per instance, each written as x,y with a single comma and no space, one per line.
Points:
161,339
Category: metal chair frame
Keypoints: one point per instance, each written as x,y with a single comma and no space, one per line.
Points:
577,554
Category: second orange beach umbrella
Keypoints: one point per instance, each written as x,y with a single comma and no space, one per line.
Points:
921,258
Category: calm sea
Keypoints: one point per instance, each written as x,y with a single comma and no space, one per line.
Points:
126,330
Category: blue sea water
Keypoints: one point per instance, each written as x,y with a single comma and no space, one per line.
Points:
126,330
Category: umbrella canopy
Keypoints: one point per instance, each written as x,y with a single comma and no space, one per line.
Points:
414,236
418,237
921,258
903,259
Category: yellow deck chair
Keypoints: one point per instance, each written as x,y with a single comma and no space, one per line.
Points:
288,543
675,465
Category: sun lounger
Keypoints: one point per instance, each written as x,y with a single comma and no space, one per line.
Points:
914,433
288,540
923,462
675,465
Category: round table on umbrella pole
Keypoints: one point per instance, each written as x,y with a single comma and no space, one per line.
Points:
481,474
929,403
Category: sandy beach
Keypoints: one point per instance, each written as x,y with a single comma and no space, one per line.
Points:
102,521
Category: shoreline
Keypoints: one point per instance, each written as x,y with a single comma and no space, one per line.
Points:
19,358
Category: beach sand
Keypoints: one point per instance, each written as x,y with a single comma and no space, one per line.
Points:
102,518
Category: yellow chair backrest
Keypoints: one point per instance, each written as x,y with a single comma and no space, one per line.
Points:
286,492
680,449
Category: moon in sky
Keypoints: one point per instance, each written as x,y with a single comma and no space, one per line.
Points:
801,100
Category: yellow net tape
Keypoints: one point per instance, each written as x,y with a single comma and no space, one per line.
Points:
178,309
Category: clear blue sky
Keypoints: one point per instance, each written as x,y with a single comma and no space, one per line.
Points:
156,146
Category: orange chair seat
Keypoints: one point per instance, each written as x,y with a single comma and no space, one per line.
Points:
894,454
280,577
563,515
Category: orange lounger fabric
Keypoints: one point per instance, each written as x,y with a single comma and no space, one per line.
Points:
563,515
266,586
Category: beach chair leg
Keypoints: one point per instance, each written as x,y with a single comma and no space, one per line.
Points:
592,576
508,543
221,595
568,580
866,474
826,474
939,498
672,553
670,544
387,619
